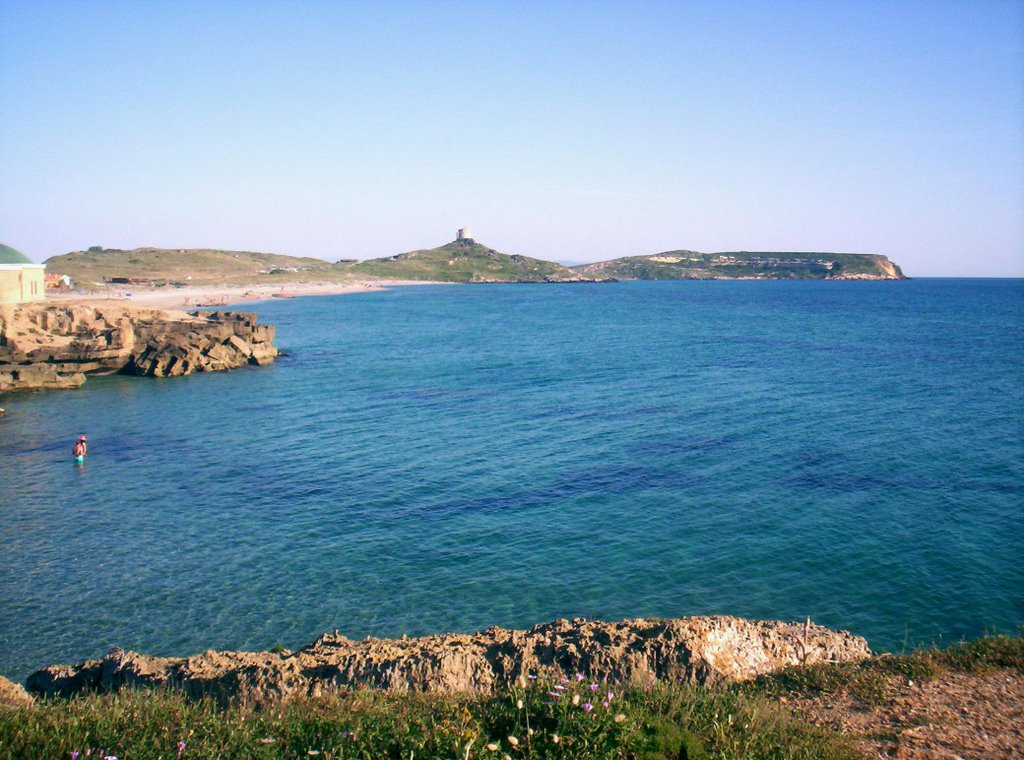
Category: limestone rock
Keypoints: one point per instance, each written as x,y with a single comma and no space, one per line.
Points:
696,649
13,695
55,346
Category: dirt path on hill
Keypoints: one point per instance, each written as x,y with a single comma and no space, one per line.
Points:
957,715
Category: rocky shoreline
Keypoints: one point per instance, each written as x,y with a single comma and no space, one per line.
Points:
692,650
50,346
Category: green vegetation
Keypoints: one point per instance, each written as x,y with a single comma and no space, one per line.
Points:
873,680
195,266
458,261
537,718
693,265
465,261
529,721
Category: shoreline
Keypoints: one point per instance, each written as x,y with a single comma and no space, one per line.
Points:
697,649
217,296
828,698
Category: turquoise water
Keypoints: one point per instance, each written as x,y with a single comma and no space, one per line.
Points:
447,458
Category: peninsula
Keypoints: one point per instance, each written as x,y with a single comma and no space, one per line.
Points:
203,277
746,265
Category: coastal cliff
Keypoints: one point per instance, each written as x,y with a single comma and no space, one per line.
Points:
45,346
695,650
747,265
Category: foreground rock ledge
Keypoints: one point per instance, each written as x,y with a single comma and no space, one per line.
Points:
48,346
695,650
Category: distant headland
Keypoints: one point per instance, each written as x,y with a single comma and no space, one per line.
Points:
463,260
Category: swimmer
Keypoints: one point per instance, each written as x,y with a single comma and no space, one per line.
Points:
80,450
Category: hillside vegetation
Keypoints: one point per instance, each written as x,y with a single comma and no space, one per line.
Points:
198,266
465,261
459,261
694,265
777,716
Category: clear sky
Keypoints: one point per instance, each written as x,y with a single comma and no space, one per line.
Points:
572,131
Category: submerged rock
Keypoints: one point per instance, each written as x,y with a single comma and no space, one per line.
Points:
695,649
47,346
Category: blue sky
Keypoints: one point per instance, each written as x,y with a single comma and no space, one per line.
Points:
579,131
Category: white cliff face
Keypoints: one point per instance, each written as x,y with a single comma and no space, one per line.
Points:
696,649
49,346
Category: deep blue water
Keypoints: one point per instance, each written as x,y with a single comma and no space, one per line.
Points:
445,458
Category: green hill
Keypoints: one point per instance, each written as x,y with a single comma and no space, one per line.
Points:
694,265
465,261
199,266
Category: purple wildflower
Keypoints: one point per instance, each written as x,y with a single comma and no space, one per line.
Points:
605,703
579,676
532,677
181,747
555,694
75,754
559,687
587,706
563,679
593,687
611,695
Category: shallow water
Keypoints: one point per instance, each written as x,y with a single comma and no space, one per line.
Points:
445,458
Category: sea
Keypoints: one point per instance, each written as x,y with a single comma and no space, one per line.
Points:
447,458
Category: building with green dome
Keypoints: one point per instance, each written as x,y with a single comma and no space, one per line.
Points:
20,279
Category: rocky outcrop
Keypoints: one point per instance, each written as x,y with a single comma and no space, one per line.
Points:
49,346
880,269
696,649
13,695
747,265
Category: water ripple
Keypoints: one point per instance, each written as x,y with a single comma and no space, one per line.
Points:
448,458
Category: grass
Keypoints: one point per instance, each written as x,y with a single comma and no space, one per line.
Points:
464,261
695,265
458,261
873,680
204,266
528,721
537,718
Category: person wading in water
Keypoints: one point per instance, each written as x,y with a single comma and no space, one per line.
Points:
80,449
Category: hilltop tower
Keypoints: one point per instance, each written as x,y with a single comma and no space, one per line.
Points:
465,234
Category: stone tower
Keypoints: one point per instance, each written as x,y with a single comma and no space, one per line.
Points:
465,234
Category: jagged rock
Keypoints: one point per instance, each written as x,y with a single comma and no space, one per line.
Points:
696,649
14,695
49,346
38,376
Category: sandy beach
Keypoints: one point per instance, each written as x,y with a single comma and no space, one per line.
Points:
214,296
